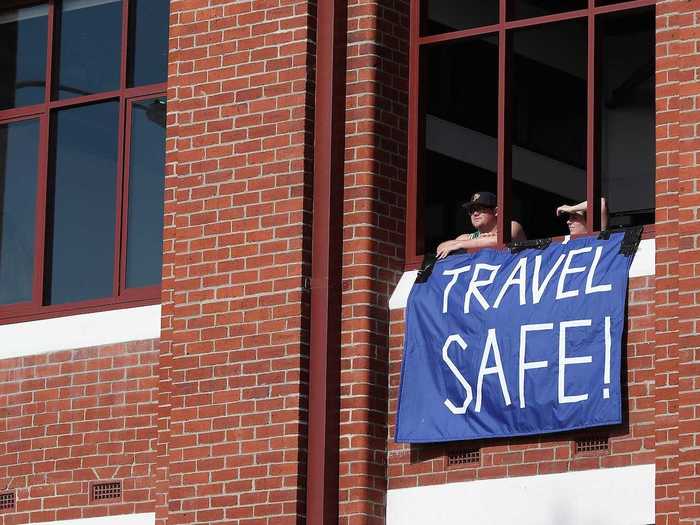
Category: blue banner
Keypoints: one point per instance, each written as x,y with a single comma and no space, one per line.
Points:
500,344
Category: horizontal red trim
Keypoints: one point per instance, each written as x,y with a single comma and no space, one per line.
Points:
38,109
457,35
23,313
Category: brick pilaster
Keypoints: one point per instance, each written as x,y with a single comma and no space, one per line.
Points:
666,297
375,186
235,302
689,263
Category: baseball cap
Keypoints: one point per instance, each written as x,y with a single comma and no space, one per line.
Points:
481,198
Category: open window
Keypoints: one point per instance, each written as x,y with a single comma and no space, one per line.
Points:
542,103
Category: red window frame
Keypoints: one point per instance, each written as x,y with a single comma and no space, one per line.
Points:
121,296
416,115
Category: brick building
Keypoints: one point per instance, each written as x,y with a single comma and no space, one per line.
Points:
313,152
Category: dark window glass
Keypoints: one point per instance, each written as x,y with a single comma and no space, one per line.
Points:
548,91
461,125
146,175
518,9
149,42
81,245
23,56
627,116
18,175
442,16
90,47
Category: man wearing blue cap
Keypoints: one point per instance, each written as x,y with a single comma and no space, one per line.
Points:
483,213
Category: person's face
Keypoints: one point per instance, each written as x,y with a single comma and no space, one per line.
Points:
482,216
576,224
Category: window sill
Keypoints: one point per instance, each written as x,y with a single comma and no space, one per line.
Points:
415,262
117,325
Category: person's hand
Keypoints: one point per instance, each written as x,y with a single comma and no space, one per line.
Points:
446,247
561,210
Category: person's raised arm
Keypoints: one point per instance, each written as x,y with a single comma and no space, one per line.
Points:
603,214
565,208
583,207
463,242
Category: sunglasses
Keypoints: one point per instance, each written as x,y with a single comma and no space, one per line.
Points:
480,209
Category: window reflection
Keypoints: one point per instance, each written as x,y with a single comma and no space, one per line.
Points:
627,116
518,9
148,63
548,132
443,16
18,180
23,43
80,254
146,176
461,126
90,47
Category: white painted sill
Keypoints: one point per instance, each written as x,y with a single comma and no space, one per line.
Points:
79,331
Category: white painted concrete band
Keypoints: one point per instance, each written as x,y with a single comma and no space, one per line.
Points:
79,331
122,519
619,496
643,264
399,298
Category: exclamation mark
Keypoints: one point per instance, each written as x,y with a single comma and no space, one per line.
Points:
606,373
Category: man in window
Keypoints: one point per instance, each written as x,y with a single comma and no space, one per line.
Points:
576,216
483,213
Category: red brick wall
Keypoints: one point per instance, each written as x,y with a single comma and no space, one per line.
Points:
73,417
212,419
375,173
678,255
631,443
233,358
688,263
666,297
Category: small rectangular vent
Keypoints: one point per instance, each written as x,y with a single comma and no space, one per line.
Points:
591,445
7,500
106,491
463,456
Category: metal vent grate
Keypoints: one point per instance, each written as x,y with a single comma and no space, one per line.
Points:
7,500
463,456
110,490
591,445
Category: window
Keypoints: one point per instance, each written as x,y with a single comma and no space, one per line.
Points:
543,103
82,154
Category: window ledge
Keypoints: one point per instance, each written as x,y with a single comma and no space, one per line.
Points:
80,331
